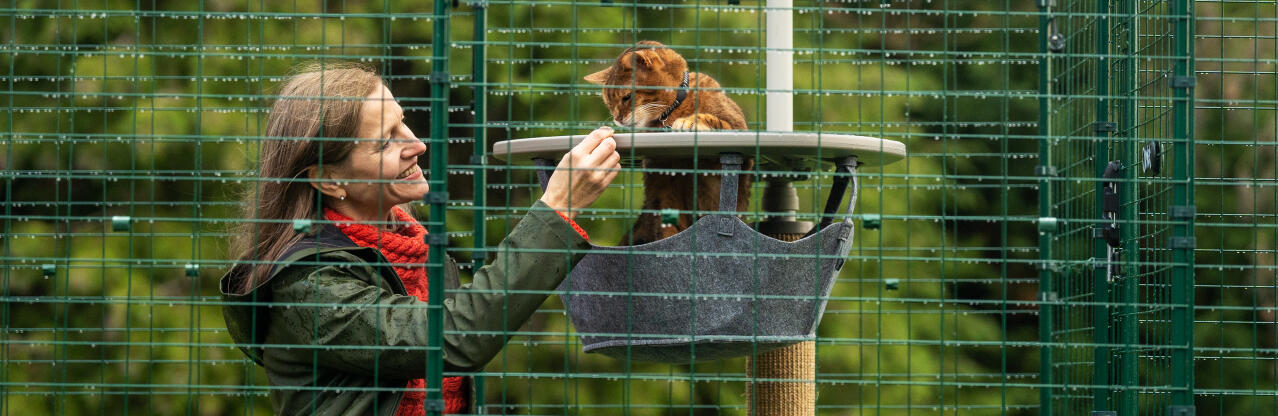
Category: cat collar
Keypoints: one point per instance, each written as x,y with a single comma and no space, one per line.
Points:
683,93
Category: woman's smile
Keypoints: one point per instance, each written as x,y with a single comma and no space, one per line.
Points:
413,172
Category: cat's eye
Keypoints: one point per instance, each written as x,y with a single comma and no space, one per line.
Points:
626,98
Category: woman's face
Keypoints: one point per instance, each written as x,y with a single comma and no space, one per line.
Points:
382,169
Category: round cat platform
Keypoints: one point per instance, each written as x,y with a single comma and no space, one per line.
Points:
804,145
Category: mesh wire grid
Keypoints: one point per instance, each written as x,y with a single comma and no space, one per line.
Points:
987,287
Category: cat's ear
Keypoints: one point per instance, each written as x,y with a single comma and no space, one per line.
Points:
649,58
599,77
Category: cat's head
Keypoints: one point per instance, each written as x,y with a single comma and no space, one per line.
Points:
641,84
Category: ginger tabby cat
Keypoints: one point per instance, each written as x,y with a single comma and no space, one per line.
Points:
649,86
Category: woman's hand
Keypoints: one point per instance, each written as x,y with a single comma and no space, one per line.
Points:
583,173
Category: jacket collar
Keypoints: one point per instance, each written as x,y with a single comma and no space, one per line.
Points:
326,237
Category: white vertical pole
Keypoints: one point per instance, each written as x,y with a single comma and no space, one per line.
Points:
796,364
780,65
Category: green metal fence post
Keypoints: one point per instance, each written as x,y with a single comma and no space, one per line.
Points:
1044,210
1182,277
437,237
1122,142
479,99
1100,250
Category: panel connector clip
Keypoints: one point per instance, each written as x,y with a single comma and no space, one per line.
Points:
437,240
1181,81
439,197
1182,243
1182,212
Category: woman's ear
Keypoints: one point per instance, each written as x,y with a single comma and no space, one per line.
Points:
324,181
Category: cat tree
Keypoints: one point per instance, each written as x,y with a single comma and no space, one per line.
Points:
791,369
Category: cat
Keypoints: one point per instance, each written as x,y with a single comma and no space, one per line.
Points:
649,86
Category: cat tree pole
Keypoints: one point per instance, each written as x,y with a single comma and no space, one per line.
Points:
792,391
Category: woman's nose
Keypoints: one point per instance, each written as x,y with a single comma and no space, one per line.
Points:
415,146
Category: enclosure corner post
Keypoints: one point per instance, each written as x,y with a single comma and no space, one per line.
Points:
1182,277
437,237
1045,380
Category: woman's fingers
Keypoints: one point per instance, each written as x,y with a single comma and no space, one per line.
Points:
591,142
606,146
613,161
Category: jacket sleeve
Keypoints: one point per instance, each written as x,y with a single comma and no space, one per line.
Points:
355,326
527,264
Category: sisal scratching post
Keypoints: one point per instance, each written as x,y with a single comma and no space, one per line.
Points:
783,398
797,362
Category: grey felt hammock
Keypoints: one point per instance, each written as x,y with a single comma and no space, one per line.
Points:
716,290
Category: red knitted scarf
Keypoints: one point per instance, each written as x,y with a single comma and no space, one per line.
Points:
406,251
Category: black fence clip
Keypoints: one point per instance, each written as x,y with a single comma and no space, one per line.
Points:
1111,232
1152,157
1055,40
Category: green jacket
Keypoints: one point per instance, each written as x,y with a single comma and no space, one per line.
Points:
337,333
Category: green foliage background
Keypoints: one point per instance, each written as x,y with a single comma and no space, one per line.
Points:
152,110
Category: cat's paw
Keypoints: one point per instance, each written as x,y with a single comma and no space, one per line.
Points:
690,123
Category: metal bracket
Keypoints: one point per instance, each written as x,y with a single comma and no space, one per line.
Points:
1181,410
436,405
1096,263
1048,171
1182,243
1104,127
1182,212
192,270
120,223
437,240
302,226
438,77
871,221
1048,224
478,160
1104,413
1181,81
436,197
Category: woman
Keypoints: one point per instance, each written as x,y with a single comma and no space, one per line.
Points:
336,314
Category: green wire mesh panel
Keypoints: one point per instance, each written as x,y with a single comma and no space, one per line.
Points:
1118,289
980,279
1235,333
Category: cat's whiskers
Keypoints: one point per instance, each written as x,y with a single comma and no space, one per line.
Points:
645,114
